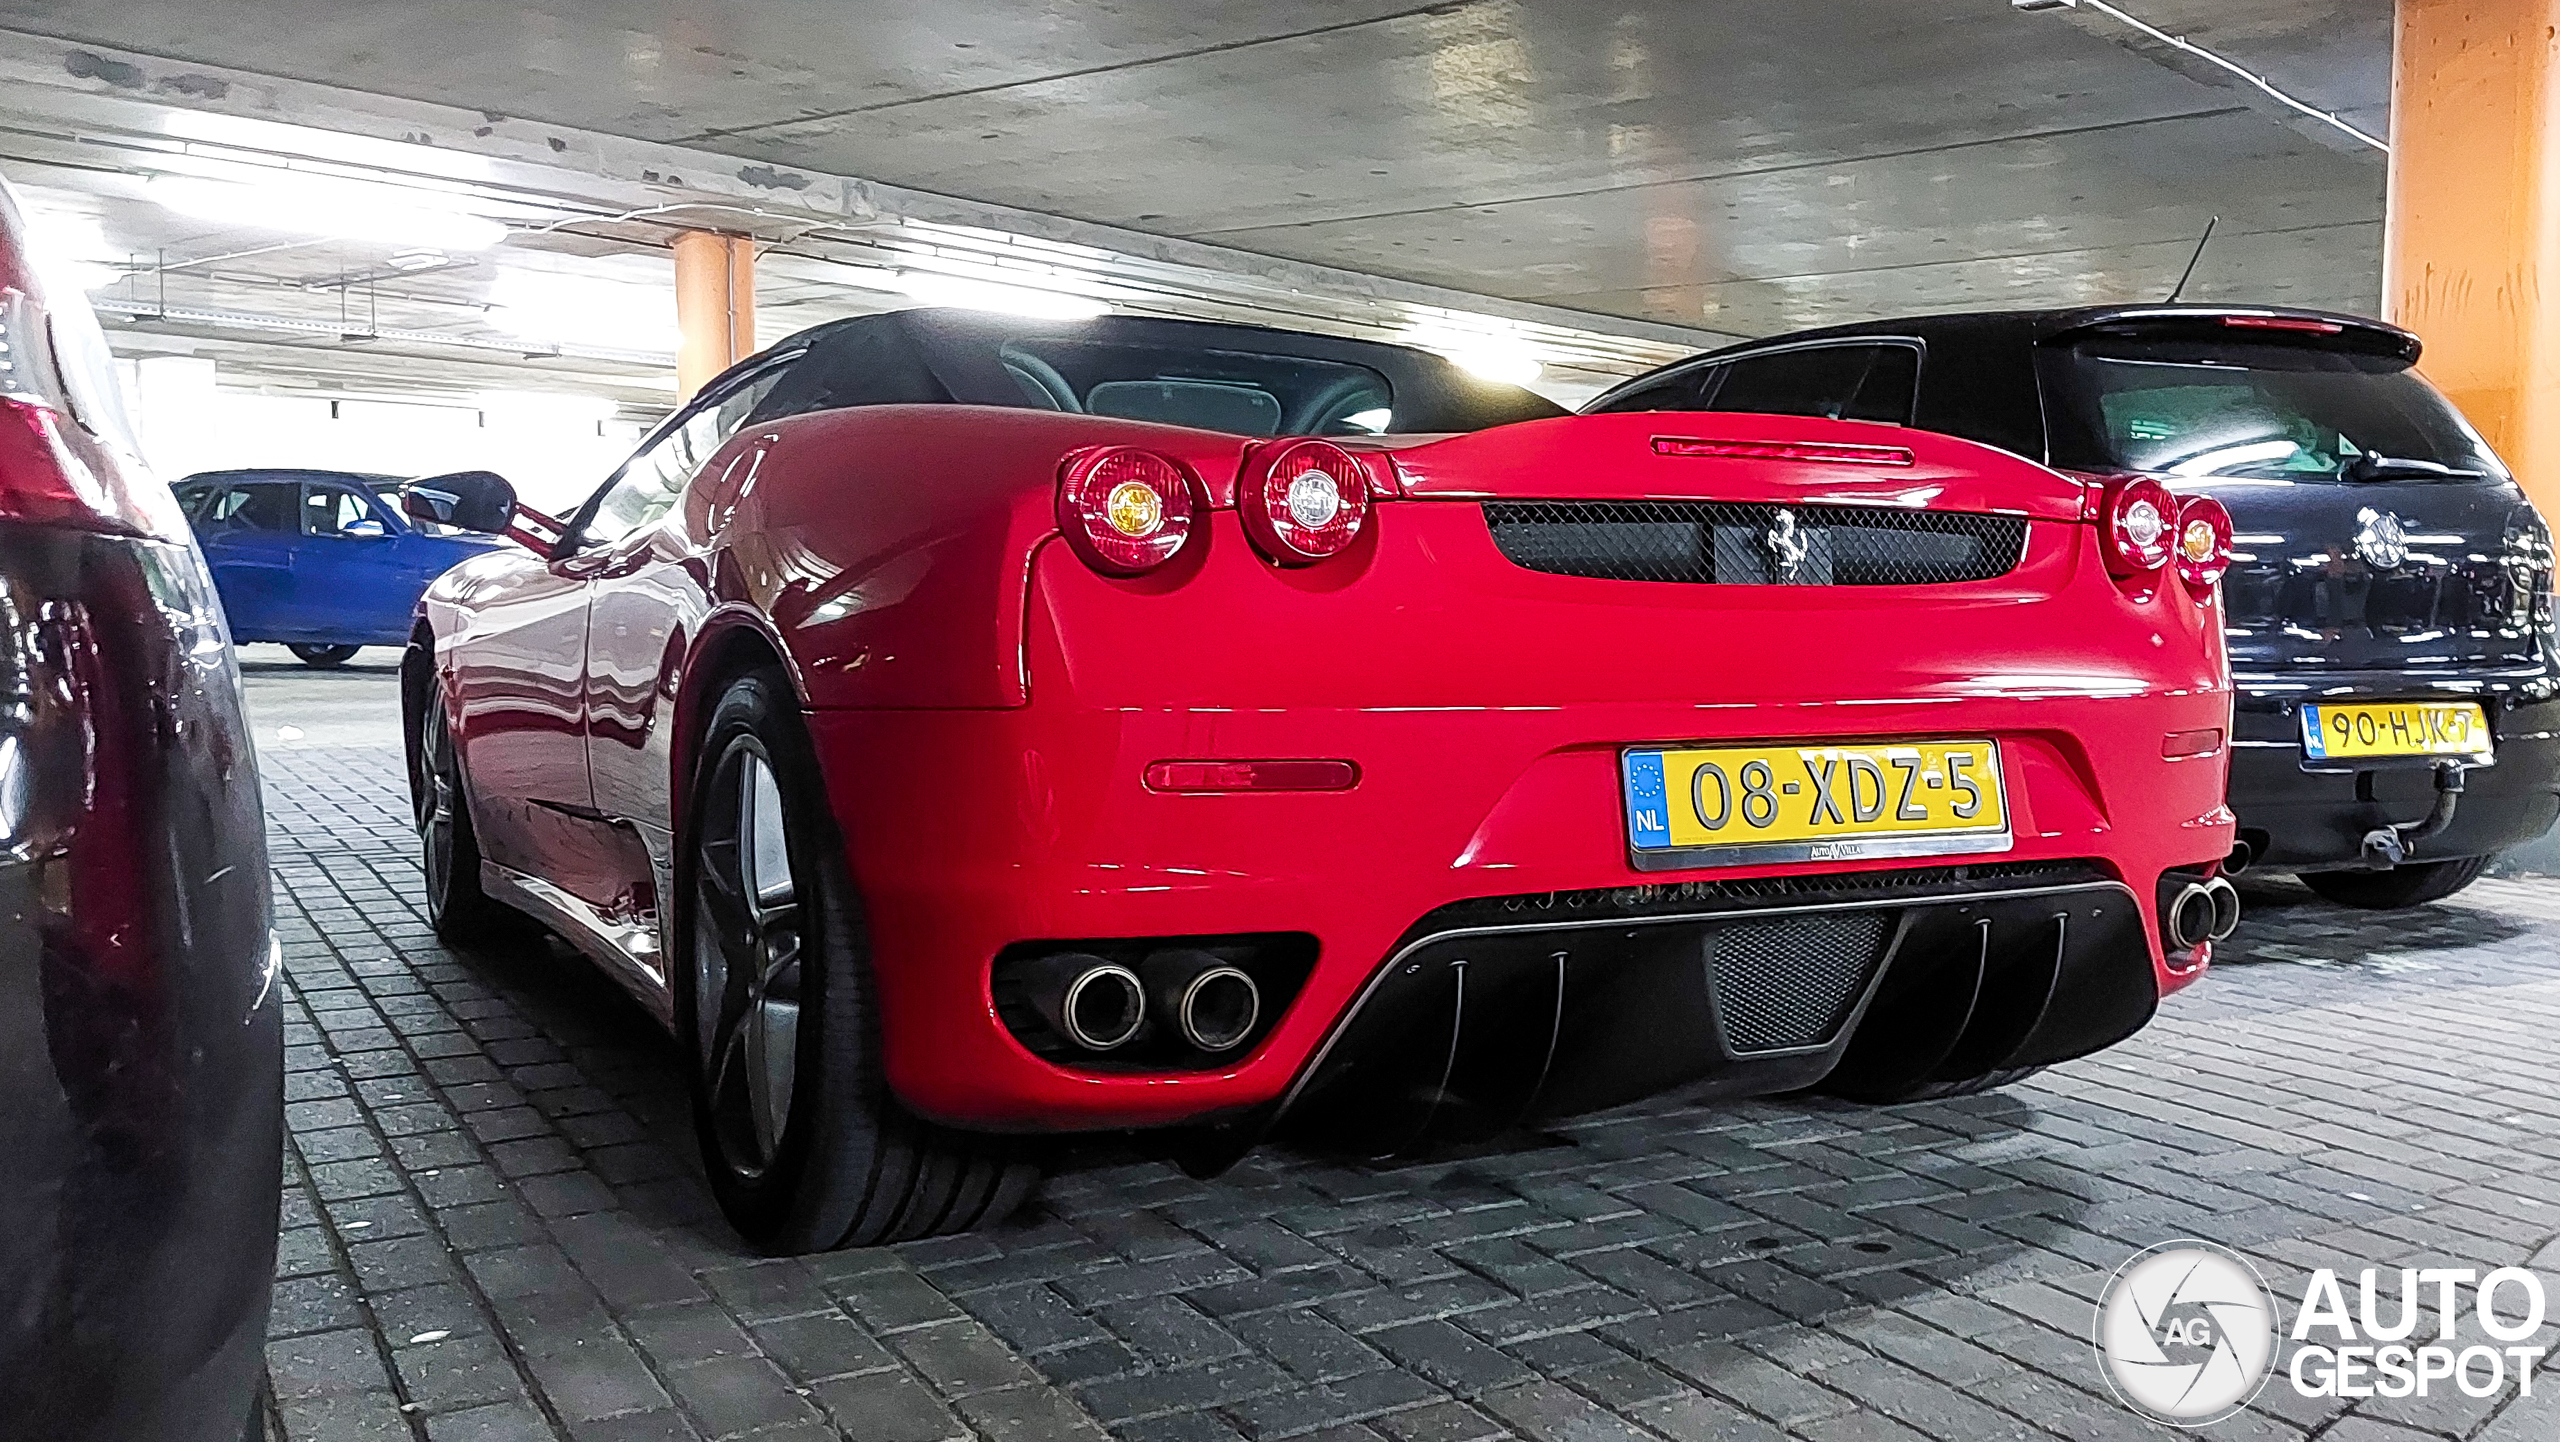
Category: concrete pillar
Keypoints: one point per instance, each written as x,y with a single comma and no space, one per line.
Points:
2475,213
715,306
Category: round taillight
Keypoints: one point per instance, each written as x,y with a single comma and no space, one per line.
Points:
2137,520
1125,511
1304,502
2204,542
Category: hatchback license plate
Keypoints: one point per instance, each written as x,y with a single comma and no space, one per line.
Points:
2394,728
1751,805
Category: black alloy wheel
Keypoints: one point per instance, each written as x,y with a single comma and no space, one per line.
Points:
805,1147
448,849
323,657
746,960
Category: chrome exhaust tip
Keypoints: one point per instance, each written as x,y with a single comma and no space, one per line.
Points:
2226,907
1219,1009
1099,1005
2242,856
2189,923
1212,1005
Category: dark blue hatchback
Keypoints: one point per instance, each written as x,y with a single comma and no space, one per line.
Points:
322,561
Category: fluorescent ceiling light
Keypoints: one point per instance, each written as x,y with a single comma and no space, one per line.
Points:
1496,355
277,138
934,288
1517,367
584,310
70,249
327,206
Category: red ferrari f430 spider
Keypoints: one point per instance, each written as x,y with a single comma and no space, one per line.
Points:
961,730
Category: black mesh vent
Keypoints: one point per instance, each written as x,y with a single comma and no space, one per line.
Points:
1707,542
1785,984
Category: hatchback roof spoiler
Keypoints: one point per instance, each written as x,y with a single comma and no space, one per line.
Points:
2271,323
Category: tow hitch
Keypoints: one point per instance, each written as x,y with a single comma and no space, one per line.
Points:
2388,846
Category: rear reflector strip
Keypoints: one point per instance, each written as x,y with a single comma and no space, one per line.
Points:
2178,745
1782,451
2284,322
1252,776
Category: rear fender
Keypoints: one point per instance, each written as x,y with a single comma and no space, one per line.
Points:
891,545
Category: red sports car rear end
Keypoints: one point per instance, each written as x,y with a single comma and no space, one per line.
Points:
1377,787
1554,787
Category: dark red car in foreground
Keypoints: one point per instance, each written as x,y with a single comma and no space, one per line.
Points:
962,730
141,1038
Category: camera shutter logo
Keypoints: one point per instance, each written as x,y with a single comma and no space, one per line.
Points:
2186,1333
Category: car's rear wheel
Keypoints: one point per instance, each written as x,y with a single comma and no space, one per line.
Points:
456,906
323,657
805,1147
2401,886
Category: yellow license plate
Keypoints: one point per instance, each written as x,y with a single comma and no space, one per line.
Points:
1746,805
2394,728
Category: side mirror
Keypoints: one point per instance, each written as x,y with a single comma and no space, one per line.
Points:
364,530
469,500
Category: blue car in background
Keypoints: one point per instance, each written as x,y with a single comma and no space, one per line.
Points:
322,561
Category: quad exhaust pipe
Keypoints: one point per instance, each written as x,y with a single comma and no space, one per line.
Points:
1101,1006
1213,1006
2201,912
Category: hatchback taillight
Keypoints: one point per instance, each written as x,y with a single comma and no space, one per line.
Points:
44,480
1303,501
2204,542
2134,524
1124,510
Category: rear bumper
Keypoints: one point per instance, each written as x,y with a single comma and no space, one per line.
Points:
1487,734
2299,820
1495,1013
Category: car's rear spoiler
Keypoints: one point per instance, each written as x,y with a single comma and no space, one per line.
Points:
2274,325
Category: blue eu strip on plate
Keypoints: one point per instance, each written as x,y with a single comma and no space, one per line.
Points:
1648,816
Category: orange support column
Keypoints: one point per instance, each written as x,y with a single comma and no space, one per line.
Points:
2475,212
715,306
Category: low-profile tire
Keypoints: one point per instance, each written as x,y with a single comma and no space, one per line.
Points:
323,657
1965,1087
449,850
2415,884
804,1145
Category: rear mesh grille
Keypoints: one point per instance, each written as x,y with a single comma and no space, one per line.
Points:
1736,544
1787,984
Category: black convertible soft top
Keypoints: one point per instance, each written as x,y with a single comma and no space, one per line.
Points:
1250,380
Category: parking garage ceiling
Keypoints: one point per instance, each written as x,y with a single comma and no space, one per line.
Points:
1665,171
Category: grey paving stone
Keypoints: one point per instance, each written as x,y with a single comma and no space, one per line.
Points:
889,1407
738,1394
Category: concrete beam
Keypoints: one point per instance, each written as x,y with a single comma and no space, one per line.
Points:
115,105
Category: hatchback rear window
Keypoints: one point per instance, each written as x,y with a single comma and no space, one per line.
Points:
2199,405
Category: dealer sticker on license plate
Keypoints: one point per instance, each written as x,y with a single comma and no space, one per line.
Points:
1742,805
2394,728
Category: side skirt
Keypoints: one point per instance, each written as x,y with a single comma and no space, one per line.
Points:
627,950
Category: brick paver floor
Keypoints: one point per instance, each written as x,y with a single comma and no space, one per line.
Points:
495,1228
